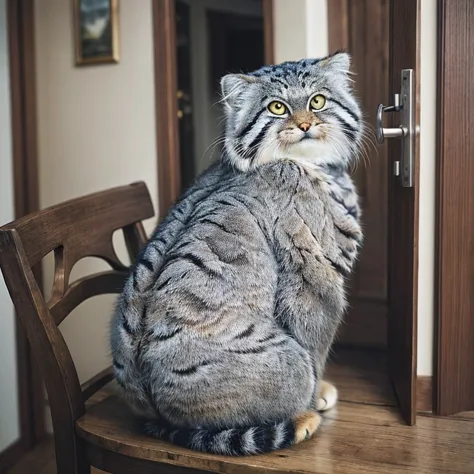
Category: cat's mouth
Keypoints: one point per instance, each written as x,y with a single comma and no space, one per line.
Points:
310,138
294,137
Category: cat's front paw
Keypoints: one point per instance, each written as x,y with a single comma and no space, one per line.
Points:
327,396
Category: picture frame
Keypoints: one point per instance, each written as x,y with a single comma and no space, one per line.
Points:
96,34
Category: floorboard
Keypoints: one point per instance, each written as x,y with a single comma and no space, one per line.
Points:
361,377
363,434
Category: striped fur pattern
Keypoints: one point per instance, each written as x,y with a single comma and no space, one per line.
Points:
241,441
221,334
253,136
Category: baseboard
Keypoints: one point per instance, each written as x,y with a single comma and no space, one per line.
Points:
11,455
424,393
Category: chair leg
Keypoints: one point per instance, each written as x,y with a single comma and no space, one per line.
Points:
82,463
72,458
72,466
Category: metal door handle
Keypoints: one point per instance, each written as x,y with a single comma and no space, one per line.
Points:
382,132
405,104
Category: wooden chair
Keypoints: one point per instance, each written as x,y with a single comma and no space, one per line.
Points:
102,434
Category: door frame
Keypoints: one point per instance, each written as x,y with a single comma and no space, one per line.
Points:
454,341
20,24
167,138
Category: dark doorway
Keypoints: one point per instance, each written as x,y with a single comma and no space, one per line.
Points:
213,39
184,94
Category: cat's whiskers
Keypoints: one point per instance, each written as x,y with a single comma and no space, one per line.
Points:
366,145
368,133
279,146
334,138
361,150
221,119
212,147
357,151
258,150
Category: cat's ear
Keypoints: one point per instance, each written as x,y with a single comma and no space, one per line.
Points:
340,61
232,87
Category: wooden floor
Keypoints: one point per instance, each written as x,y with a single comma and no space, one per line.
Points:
363,434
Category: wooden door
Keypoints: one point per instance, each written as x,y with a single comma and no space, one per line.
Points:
362,28
403,222
383,38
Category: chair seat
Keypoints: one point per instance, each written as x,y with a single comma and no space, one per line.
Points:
354,438
110,426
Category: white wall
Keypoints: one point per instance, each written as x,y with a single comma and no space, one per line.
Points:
300,29
9,423
427,187
96,130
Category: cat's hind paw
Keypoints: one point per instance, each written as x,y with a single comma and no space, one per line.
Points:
327,396
306,425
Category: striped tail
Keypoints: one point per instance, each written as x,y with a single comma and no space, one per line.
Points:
240,441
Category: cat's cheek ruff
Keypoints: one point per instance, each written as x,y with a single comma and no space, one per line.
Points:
268,150
313,151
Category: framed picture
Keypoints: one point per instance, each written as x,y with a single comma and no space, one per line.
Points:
96,31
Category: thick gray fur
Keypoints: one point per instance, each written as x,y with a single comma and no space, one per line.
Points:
222,331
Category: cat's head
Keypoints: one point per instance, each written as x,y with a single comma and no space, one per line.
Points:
303,111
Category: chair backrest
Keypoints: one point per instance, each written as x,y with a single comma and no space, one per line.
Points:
75,229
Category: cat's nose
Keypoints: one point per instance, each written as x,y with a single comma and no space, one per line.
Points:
305,126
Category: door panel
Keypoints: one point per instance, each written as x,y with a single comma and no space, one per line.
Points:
383,38
403,222
362,28
369,46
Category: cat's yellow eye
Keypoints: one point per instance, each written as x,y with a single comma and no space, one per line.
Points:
317,102
277,108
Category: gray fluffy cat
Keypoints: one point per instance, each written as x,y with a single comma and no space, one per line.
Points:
222,332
